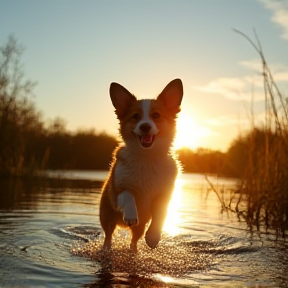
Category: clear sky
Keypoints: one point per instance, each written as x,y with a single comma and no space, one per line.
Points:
75,49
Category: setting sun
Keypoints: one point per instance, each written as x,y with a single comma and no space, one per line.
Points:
188,132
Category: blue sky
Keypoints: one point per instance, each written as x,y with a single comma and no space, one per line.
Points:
75,49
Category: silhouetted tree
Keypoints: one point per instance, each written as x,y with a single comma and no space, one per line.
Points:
81,150
202,160
19,120
25,145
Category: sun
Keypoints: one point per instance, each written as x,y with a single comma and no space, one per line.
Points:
189,132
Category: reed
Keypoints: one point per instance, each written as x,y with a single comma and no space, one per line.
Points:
262,197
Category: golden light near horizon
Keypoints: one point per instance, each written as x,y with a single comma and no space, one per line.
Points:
189,132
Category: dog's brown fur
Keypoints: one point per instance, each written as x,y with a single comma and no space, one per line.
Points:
148,175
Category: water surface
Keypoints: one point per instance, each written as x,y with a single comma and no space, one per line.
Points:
50,236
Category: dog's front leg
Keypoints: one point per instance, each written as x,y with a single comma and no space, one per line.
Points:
158,215
127,205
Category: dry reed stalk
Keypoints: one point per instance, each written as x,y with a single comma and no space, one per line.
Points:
263,198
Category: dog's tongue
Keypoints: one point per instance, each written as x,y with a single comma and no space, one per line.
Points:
146,139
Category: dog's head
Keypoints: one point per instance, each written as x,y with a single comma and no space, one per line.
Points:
147,123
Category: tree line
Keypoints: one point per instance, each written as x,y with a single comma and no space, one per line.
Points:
27,144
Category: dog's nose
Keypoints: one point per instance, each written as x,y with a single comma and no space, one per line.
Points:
145,127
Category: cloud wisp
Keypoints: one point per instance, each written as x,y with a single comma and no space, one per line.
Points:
247,87
239,89
280,14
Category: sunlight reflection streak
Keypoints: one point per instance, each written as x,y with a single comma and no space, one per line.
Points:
173,219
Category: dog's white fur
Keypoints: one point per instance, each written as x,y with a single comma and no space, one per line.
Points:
146,119
126,204
143,170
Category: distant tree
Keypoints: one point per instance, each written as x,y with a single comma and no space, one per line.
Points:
237,157
80,150
202,160
19,119
57,126
246,149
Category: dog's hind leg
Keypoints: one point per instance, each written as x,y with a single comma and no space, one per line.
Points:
108,229
127,205
158,215
137,232
108,219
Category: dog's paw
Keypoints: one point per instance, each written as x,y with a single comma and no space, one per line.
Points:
130,217
127,205
107,245
131,222
152,238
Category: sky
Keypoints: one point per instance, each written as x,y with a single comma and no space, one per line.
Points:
74,49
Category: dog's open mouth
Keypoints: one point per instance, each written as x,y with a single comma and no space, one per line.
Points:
146,141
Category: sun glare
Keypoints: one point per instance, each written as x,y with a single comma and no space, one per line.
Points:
189,132
173,219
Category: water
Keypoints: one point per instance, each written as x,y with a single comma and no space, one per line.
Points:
50,236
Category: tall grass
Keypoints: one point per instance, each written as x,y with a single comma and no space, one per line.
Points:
262,198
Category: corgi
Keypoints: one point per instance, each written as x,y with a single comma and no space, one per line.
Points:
143,171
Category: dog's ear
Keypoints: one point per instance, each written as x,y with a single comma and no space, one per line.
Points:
172,95
121,99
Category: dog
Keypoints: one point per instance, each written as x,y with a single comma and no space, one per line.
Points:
143,170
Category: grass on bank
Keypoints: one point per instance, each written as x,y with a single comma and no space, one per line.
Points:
262,197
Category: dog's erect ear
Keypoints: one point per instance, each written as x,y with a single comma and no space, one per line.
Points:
172,95
121,99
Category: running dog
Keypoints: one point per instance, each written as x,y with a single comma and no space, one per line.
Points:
143,171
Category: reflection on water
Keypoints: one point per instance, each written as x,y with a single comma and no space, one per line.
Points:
51,237
173,219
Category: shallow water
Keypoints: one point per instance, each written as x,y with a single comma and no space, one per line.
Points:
50,236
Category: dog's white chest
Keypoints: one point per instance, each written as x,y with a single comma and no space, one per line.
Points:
145,179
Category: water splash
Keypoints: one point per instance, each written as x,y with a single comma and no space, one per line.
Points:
174,256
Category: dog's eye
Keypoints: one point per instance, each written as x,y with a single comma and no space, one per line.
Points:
156,115
136,116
